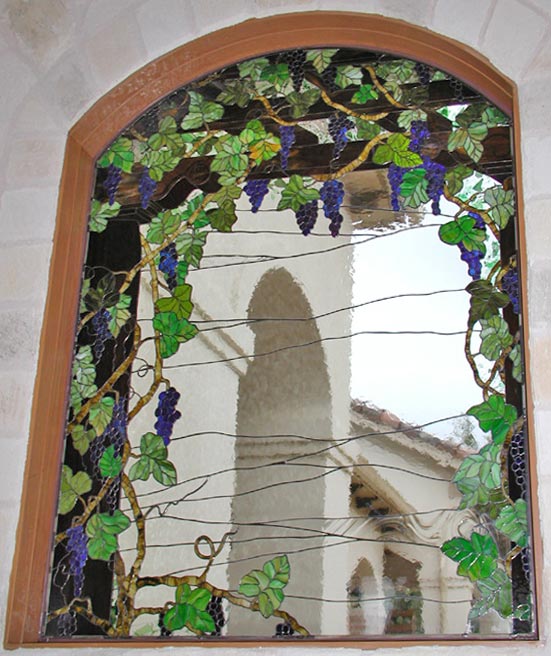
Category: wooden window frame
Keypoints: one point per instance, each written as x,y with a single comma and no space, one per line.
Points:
86,141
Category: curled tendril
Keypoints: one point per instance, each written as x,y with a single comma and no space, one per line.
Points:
213,550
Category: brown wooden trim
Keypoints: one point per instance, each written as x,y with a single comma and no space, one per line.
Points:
91,134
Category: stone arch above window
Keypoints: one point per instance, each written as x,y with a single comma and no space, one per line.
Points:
87,142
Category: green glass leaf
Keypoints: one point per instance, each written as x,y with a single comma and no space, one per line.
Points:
84,373
190,245
414,188
254,131
469,139
199,598
181,272
367,130
120,154
101,414
203,622
396,150
348,75
477,557
100,213
167,137
513,521
406,118
140,470
153,461
502,205
320,58
173,332
72,486
160,162
190,611
295,194
278,571
223,217
269,600
176,617
201,112
399,70
110,465
236,92
227,193
463,230
496,593
495,337
516,358
486,300
231,157
267,583
120,314
252,68
479,477
82,438
266,149
494,117
179,303
364,94
278,76
301,102
162,226
496,416
104,295
455,178
164,472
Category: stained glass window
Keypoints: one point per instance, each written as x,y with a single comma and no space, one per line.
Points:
297,402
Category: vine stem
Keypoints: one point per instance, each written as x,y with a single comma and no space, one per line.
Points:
84,607
486,388
383,89
353,165
466,207
272,113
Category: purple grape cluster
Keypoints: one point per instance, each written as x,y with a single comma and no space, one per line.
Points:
435,179
473,260
215,610
168,261
328,78
67,624
395,176
287,137
166,414
146,187
332,194
100,326
307,215
256,190
296,59
509,284
78,554
117,428
419,135
112,181
478,220
339,124
424,73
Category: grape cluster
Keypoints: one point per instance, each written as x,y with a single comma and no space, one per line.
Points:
509,284
256,190
435,179
97,447
395,176
284,629
332,194
478,220
165,633
307,215
517,454
215,610
146,187
295,60
287,137
166,414
419,134
67,624
111,182
78,554
328,77
424,73
526,557
119,424
339,124
473,260
168,261
100,325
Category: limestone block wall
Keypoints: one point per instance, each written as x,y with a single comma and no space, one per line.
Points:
57,57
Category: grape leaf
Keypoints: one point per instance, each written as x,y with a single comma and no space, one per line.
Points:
72,486
160,162
501,204
99,214
496,593
516,358
454,178
495,337
414,188
190,611
231,157
513,521
119,314
252,68
84,373
469,139
190,245
320,58
119,154
267,584
101,414
179,303
223,217
153,461
396,150
295,194
110,465
103,529
348,75
236,92
496,416
301,102
167,137
364,94
486,300
367,130
463,230
477,557
163,225
479,475
406,117
173,331
82,438
201,111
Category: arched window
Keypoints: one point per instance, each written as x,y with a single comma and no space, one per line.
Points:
226,286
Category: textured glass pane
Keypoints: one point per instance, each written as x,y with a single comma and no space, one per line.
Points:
297,405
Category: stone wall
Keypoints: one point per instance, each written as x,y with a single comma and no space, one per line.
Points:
57,57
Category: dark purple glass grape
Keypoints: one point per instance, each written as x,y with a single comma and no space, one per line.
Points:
435,179
111,182
146,187
284,629
296,59
424,73
166,414
287,138
473,260
419,135
168,261
478,220
332,194
307,215
216,611
395,176
77,544
338,126
256,190
328,77
100,325
509,284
